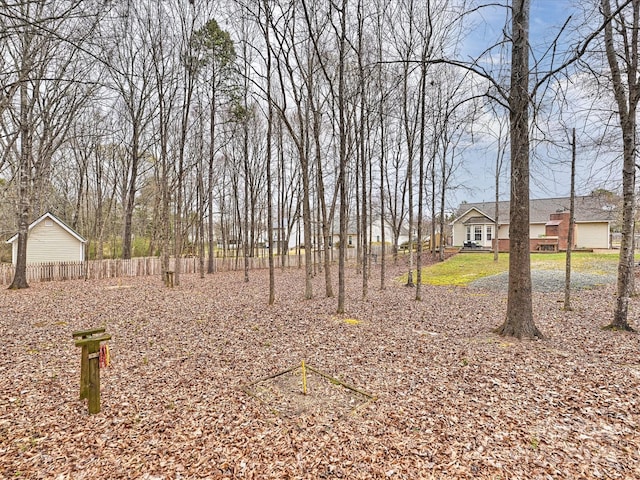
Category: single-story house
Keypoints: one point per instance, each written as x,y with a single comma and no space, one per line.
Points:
50,240
374,232
549,223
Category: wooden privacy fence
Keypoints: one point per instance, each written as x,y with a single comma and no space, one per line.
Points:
144,266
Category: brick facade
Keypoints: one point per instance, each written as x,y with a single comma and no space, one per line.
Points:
555,239
559,226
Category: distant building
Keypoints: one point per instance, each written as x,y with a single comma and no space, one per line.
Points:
50,240
549,224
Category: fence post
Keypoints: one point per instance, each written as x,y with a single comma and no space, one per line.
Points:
90,340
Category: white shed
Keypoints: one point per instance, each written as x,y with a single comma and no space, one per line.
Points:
50,240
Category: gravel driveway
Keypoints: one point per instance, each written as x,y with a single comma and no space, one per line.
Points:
545,281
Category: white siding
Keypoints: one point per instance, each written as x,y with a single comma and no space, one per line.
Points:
48,242
376,233
459,234
459,229
592,235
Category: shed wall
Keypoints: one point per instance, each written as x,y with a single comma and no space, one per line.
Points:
48,242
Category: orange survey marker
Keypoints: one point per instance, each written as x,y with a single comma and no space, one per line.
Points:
105,356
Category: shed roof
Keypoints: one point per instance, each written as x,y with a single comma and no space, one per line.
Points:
52,217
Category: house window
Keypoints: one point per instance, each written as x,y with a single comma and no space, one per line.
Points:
489,232
477,235
350,240
468,234
48,223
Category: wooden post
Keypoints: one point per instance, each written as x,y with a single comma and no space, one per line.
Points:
84,362
90,365
168,278
94,377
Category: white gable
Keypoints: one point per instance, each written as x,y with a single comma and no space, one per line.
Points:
50,241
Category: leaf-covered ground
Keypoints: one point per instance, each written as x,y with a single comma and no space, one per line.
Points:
453,399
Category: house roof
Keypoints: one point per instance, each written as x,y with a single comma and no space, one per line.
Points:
52,217
590,208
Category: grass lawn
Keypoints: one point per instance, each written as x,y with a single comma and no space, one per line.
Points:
464,268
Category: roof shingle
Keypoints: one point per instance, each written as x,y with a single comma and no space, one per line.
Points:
588,208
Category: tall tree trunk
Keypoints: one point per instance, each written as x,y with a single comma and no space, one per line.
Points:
567,274
210,172
325,220
201,201
423,94
383,154
24,212
130,196
83,180
627,106
363,159
496,213
342,176
409,174
272,282
165,202
411,221
306,221
178,233
519,320
246,238
99,214
501,141
434,155
443,189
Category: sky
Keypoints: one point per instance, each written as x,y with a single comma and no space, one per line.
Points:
550,172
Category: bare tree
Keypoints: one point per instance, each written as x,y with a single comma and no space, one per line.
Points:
162,101
363,164
519,320
216,54
623,58
272,289
410,125
572,221
317,102
341,34
421,172
501,147
382,105
42,45
190,65
296,62
131,78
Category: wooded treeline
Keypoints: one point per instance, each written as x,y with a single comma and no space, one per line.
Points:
229,127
